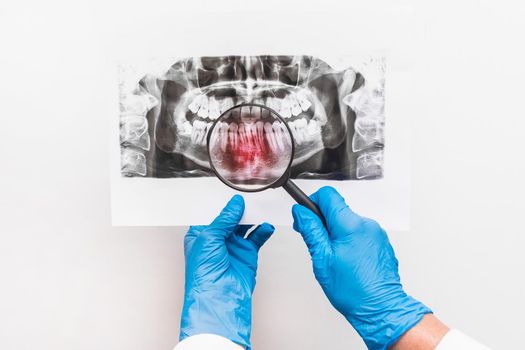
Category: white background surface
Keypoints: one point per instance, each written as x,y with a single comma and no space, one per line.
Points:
71,281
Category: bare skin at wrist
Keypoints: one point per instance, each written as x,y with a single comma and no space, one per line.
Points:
425,335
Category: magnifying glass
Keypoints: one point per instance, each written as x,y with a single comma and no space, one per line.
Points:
251,149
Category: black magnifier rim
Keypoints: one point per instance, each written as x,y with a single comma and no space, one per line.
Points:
226,182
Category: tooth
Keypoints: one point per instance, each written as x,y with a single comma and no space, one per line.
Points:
233,133
270,137
258,101
274,103
301,122
285,109
213,109
291,125
256,112
265,113
303,100
255,135
286,134
246,115
199,131
224,136
196,134
296,109
267,102
278,135
195,104
260,132
203,111
187,128
205,134
313,128
235,115
300,125
297,133
242,133
251,130
225,104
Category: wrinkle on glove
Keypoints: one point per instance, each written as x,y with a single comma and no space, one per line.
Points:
357,269
221,265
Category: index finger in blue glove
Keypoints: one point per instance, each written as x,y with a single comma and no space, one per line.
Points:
226,222
340,219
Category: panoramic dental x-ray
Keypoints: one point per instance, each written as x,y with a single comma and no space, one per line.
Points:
336,116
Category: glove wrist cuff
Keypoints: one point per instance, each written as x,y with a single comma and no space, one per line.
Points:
384,328
213,315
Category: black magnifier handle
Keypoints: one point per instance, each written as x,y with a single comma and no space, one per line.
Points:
301,198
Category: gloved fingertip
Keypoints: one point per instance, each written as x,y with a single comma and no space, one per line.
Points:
315,196
261,234
267,227
295,208
303,217
230,215
236,199
300,210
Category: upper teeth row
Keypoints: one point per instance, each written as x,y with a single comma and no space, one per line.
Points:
302,130
290,105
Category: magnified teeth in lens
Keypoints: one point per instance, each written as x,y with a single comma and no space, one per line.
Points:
246,113
260,132
256,113
265,114
242,134
270,138
250,145
233,134
223,135
251,132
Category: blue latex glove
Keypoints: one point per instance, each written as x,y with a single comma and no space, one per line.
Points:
220,275
355,265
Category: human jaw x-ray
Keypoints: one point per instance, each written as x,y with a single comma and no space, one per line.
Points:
336,116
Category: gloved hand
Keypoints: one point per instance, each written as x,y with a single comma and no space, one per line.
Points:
220,275
355,265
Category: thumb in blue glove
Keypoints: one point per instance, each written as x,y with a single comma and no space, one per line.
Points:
221,265
356,267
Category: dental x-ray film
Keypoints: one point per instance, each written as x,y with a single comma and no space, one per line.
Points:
336,116
333,106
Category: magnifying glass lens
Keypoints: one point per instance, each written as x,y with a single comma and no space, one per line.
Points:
250,147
